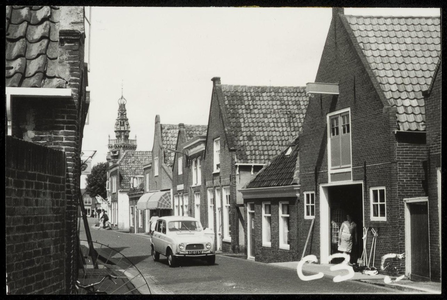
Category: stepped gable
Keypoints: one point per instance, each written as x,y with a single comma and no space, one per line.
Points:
32,48
402,53
263,119
281,171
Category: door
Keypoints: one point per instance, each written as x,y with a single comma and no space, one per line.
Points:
218,220
251,230
420,269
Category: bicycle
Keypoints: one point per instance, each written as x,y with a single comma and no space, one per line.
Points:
90,288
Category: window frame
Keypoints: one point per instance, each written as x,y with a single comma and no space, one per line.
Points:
265,215
373,203
341,126
226,222
156,166
132,216
197,205
140,218
114,184
306,205
210,195
216,155
180,165
282,215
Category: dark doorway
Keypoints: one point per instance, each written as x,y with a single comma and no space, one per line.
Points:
420,268
346,200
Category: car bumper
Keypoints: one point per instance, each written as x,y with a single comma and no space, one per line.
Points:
194,255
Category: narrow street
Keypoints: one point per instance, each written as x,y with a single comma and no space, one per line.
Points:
230,275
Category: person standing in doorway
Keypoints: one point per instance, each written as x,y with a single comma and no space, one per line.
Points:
347,236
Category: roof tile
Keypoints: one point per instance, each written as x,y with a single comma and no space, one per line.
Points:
402,53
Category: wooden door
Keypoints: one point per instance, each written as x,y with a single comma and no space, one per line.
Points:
420,268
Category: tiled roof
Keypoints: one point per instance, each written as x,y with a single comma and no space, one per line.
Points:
263,119
131,164
402,53
32,48
169,134
281,171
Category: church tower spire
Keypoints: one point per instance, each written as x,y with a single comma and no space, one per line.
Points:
122,131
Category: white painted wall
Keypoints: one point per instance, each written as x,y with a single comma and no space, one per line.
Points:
123,211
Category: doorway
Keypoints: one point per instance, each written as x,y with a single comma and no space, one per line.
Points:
337,201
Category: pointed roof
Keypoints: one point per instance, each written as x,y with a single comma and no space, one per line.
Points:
402,53
261,120
131,164
169,135
32,48
281,171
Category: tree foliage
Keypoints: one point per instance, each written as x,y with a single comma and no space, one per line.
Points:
96,181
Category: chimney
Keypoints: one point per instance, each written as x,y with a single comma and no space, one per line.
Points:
336,11
157,119
215,80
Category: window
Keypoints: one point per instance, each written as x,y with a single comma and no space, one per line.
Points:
194,172
113,184
378,204
340,140
284,225
180,165
132,216
211,208
180,204
175,205
309,205
185,205
156,166
216,155
147,183
199,171
197,206
140,218
226,214
266,224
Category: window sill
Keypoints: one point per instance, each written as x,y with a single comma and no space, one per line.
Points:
216,172
284,247
267,245
309,217
227,240
378,219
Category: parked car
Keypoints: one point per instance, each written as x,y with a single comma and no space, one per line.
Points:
181,237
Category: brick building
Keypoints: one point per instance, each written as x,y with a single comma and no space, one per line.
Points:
46,106
248,125
272,200
363,149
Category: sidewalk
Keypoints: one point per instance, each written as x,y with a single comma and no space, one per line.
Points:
404,284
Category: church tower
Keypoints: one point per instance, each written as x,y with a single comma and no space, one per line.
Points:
122,130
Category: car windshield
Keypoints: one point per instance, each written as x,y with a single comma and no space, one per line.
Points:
184,225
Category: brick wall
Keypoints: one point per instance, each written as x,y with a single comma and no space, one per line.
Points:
433,126
373,140
35,218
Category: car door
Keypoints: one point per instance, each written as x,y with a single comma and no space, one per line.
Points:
157,235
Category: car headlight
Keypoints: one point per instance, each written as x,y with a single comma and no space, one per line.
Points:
181,246
208,246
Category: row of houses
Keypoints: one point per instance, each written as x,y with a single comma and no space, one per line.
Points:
277,169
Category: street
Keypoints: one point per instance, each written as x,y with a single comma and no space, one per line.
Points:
230,274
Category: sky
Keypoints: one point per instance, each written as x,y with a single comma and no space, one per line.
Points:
162,60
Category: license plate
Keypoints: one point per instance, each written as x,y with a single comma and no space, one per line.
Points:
194,252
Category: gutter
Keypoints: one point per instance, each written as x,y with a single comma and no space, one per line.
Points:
271,192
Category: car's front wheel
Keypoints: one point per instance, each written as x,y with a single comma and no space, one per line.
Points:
211,260
172,260
155,255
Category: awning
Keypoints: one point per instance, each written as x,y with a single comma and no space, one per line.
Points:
156,200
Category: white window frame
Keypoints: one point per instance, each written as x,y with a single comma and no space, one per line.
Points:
226,214
266,224
330,116
185,204
307,204
210,193
197,205
282,216
132,216
373,203
114,183
216,155
147,182
194,171
199,171
140,218
175,205
156,162
180,165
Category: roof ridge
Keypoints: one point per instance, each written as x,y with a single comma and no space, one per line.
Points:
264,86
398,17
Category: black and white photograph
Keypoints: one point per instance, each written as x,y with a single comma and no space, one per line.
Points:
223,150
